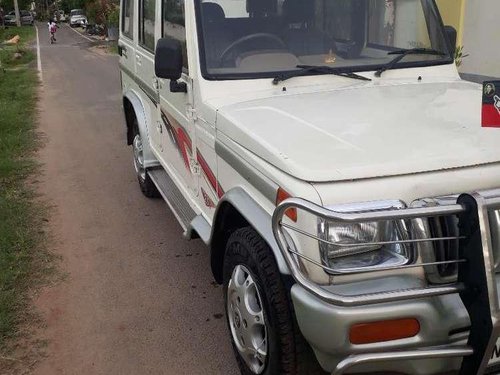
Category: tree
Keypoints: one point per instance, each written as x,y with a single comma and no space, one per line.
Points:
18,16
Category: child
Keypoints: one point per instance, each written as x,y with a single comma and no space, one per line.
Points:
52,31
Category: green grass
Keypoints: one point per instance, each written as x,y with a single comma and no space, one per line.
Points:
23,259
27,34
113,48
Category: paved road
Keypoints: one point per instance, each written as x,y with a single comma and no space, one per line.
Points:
138,298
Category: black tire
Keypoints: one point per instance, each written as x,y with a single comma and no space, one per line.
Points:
147,186
287,351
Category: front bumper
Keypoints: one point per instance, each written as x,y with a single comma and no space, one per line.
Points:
459,322
79,22
443,322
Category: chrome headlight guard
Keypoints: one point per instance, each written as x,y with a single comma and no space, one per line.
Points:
363,246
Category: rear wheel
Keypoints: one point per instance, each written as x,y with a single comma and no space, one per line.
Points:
147,186
259,315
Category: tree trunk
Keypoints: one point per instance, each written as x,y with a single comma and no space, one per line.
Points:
18,16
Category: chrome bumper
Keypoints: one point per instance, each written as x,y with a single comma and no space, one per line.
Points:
476,283
433,353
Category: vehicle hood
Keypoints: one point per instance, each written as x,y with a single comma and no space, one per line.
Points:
365,131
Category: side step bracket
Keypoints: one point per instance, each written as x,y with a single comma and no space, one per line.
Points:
173,196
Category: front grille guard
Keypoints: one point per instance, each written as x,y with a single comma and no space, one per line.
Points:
475,284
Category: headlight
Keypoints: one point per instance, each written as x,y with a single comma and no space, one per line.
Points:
363,246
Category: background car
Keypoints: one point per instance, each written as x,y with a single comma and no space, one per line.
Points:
26,18
77,18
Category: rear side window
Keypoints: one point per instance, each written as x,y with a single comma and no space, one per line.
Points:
128,18
147,24
174,25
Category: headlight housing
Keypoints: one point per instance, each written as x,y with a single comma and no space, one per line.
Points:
358,247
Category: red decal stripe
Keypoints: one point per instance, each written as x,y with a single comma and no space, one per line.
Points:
210,175
185,145
490,116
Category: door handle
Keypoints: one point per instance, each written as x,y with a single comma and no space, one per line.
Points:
122,50
138,59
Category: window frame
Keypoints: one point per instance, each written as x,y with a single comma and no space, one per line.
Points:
129,35
185,70
140,39
350,69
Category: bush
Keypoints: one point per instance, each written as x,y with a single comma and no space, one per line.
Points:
91,12
114,17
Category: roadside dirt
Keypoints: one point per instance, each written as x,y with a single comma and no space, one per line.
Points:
137,298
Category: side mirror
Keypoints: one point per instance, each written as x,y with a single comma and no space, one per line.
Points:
451,34
168,63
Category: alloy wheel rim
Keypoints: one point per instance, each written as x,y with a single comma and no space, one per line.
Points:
246,319
139,157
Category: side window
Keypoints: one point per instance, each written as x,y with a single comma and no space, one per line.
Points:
174,25
128,18
147,24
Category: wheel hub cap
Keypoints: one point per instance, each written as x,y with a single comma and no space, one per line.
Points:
246,319
139,156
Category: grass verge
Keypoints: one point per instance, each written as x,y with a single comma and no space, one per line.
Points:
113,48
24,261
26,34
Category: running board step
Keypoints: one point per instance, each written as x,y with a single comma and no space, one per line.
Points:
173,196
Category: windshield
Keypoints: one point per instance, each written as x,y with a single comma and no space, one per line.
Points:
259,38
77,12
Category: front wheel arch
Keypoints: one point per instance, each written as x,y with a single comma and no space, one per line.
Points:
238,209
129,119
227,221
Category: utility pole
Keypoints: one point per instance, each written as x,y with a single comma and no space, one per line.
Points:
18,16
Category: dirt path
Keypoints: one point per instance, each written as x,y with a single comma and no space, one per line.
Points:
138,299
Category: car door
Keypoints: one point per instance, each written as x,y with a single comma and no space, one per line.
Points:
144,64
126,45
176,131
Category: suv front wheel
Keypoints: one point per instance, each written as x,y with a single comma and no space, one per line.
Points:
259,316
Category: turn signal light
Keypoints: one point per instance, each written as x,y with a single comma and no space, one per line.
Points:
387,330
280,197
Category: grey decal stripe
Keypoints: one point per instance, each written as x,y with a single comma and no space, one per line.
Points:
152,94
149,96
265,186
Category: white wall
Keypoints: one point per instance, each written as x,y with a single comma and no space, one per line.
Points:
481,38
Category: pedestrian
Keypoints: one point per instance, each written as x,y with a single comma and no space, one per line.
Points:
52,30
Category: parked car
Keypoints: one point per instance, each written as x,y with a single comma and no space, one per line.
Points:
60,16
77,18
26,18
339,171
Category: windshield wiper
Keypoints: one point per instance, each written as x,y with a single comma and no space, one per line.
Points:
316,69
405,52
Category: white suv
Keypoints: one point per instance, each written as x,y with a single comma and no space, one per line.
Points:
333,161
77,18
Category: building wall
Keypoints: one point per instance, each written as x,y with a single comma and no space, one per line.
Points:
480,38
452,12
